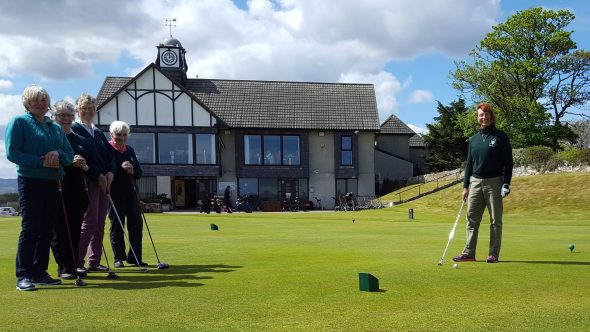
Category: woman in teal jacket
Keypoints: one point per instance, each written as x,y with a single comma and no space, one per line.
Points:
40,149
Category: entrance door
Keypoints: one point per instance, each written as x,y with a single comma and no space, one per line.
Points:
179,193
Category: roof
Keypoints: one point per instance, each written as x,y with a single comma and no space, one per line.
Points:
393,125
277,104
417,141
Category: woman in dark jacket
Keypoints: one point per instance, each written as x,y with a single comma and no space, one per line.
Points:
66,236
125,198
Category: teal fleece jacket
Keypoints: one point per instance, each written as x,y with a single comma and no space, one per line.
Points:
489,155
27,140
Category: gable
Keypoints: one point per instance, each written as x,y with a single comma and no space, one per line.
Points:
150,99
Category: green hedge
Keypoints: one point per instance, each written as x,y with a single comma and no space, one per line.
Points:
543,159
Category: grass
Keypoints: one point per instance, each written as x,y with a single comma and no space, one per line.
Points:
299,271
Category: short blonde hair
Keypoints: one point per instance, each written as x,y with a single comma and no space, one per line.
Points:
86,98
34,92
119,127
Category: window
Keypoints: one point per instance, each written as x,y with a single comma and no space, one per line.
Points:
291,150
206,152
346,150
344,186
268,189
252,150
145,147
271,150
175,148
146,186
248,186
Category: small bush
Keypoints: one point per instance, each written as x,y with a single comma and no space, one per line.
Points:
575,157
517,157
537,156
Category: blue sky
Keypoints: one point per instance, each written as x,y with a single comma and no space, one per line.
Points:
406,48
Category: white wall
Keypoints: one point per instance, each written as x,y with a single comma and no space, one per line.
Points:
322,182
366,163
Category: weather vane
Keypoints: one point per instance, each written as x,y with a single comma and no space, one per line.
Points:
170,24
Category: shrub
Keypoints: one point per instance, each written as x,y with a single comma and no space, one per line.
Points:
573,156
518,157
537,156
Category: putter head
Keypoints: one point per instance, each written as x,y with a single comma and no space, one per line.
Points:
112,275
440,263
162,266
80,283
143,269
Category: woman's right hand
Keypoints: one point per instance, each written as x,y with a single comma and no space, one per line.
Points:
51,159
465,193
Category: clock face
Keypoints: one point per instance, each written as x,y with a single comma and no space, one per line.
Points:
169,57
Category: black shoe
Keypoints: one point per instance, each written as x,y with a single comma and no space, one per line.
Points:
142,264
67,275
81,273
119,264
46,280
98,268
25,284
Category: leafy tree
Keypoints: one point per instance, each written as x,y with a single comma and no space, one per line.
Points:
446,142
529,69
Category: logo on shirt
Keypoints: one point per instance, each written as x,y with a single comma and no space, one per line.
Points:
493,142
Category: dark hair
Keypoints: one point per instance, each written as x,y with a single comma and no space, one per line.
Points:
487,108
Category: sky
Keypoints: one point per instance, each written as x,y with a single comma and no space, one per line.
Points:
405,48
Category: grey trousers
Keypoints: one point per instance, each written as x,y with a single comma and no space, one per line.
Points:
484,193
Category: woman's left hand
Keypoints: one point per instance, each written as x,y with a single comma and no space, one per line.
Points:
128,167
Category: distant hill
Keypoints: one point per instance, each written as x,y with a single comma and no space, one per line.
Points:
8,186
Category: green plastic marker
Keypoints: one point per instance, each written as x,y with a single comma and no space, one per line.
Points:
571,246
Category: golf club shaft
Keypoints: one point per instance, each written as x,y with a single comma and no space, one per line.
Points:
63,206
451,234
124,233
143,217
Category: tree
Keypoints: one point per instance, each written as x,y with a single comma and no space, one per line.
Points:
529,69
582,130
446,142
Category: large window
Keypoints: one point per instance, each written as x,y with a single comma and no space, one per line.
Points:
268,189
144,145
291,150
206,149
175,148
271,150
248,186
346,150
252,150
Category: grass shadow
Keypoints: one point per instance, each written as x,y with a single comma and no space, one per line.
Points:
176,276
549,262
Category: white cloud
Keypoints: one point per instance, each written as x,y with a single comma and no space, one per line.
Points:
421,96
418,130
5,85
386,86
10,106
286,39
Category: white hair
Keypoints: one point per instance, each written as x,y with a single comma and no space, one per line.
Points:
119,127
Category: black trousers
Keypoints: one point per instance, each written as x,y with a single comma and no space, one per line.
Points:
39,201
76,203
128,208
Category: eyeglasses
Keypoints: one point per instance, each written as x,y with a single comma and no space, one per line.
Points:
65,115
86,109
120,134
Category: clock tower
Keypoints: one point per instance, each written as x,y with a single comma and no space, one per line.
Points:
171,59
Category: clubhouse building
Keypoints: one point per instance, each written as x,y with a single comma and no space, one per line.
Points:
269,140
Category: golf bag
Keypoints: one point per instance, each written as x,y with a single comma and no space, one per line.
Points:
243,205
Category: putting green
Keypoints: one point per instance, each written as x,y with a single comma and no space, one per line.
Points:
299,271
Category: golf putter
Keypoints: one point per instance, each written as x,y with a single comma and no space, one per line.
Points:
440,262
141,268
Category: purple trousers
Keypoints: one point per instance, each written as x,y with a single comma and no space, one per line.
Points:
92,231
